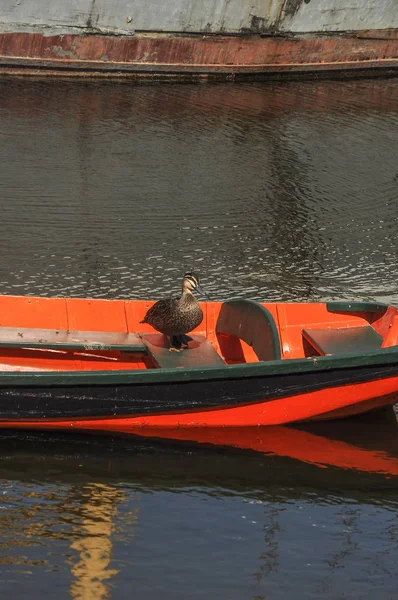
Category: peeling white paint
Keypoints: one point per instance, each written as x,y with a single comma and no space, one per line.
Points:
190,16
124,17
342,15
45,12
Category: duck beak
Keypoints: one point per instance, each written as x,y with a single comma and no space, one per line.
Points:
199,289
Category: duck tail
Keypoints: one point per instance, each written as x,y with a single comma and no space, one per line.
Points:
178,340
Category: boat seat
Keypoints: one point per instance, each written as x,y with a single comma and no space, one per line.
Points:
254,324
53,339
200,353
343,339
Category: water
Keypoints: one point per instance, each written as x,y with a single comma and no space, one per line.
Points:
273,191
119,517
283,191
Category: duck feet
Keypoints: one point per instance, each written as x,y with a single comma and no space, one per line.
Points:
174,344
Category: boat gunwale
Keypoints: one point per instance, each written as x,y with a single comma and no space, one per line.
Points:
382,357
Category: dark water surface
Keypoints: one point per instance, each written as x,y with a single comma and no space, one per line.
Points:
279,191
282,191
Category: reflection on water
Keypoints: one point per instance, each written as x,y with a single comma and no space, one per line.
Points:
274,191
281,191
95,545
35,517
105,515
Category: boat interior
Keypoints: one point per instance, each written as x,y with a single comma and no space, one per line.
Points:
74,334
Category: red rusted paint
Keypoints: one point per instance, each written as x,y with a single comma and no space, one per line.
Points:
196,54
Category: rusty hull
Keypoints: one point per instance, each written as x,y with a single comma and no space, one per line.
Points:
183,55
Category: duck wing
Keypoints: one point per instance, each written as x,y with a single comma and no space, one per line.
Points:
160,311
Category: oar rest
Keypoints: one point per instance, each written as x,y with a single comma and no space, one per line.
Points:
343,340
251,322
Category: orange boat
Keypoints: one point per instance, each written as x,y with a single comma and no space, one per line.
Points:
71,363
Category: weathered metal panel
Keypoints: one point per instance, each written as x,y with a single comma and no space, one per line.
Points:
338,15
28,13
127,16
170,36
168,53
199,16
204,16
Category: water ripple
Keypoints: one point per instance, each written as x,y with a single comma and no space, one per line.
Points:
280,191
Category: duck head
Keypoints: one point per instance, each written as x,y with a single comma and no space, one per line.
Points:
190,283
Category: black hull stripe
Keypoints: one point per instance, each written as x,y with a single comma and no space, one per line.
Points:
149,399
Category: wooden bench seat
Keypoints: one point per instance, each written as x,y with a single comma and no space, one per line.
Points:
20,337
343,339
199,354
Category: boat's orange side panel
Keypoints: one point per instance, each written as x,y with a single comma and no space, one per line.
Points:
213,310
391,337
96,315
135,311
387,326
295,317
382,323
13,359
46,313
126,316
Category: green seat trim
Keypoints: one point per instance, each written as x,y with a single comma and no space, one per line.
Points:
343,340
200,353
254,324
349,307
52,339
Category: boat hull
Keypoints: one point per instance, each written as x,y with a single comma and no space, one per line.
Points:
181,56
223,403
188,39
90,364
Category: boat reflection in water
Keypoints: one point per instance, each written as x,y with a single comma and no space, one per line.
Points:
87,491
301,445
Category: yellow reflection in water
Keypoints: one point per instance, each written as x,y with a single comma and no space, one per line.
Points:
95,544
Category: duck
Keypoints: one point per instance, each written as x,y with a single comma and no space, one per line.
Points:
175,317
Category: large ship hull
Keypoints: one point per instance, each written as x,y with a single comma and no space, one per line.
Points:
184,40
